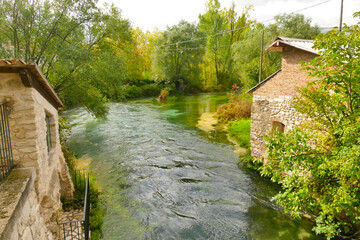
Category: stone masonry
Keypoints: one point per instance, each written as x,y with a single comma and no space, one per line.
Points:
28,135
20,209
271,100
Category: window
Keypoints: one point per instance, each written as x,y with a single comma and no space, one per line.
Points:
48,132
278,126
6,157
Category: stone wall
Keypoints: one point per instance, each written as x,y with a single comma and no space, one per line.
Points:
28,135
271,101
264,112
21,217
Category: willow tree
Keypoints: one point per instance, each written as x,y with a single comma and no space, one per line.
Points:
223,27
177,56
59,36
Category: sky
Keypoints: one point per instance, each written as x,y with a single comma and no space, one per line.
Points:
150,14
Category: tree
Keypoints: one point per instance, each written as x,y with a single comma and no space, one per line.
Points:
294,26
177,56
223,27
60,36
138,58
247,57
247,51
318,163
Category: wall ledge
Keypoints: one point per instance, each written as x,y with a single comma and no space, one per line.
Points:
14,192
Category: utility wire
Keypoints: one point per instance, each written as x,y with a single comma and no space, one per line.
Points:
222,33
300,10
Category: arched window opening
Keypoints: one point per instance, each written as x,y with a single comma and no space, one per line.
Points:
278,126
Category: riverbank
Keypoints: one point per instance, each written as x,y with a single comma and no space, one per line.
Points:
238,132
98,211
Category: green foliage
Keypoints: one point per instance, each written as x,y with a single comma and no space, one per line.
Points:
61,36
150,90
90,55
134,91
294,26
250,162
239,106
97,212
318,164
247,57
223,27
240,131
64,130
173,63
247,50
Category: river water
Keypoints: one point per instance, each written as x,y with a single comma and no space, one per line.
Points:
165,179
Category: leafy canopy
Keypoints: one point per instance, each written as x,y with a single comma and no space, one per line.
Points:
64,38
177,64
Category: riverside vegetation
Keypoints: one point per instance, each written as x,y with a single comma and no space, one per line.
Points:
317,164
92,55
321,157
98,210
235,115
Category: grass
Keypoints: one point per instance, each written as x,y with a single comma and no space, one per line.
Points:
239,130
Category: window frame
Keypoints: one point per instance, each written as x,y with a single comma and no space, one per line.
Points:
49,141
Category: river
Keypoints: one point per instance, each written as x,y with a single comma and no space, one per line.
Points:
166,179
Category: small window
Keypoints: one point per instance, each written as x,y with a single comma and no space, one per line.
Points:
48,133
278,126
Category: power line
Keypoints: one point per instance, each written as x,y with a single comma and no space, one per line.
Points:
222,33
300,10
187,49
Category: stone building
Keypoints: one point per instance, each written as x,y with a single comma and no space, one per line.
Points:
271,98
30,192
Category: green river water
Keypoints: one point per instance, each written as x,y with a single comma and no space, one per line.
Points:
166,179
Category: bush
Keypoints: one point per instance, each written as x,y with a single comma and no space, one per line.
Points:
239,106
163,94
132,91
240,131
150,90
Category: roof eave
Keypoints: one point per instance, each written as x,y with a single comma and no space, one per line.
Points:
19,66
279,44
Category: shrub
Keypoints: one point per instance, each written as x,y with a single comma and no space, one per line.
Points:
239,106
163,94
132,91
150,90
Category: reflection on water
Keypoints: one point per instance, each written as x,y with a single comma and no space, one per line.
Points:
164,179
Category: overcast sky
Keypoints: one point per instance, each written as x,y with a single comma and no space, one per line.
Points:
148,14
